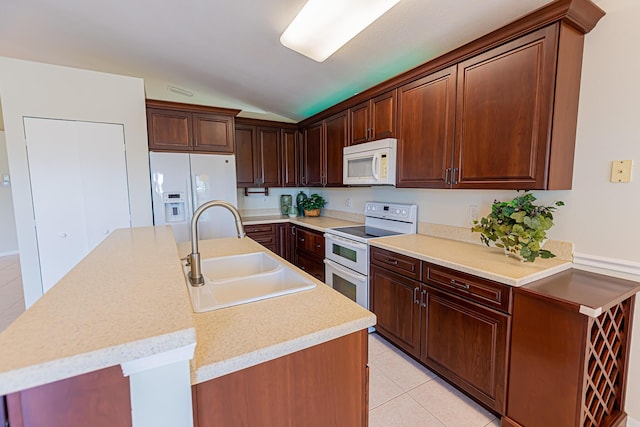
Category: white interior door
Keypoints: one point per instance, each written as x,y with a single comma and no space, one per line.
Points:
213,177
103,169
79,189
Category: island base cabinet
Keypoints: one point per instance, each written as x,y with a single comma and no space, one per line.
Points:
321,386
97,399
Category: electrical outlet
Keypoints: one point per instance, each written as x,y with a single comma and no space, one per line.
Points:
348,202
473,214
5,180
621,170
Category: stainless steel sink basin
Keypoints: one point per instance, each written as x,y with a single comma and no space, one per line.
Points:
241,279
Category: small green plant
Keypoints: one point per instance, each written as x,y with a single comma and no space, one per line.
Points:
316,201
518,226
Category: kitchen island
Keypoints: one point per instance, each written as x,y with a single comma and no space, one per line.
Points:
127,301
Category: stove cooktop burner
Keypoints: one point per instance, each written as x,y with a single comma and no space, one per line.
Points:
365,232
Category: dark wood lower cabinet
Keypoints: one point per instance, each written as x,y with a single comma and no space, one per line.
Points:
466,343
321,386
460,339
309,251
393,301
96,399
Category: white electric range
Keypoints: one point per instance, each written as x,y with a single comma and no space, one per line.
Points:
347,249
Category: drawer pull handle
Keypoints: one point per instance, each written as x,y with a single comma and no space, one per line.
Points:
423,299
459,285
415,295
391,261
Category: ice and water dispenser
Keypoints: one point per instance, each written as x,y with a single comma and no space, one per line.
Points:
174,207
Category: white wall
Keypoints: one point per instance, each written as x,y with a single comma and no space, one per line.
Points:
8,238
42,90
601,218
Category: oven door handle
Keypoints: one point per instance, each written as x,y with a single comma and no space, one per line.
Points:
344,241
348,273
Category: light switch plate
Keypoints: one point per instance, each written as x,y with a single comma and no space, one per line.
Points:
621,170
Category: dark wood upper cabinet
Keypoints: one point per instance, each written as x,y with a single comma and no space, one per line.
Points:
508,101
426,123
504,114
312,158
213,132
267,153
373,119
336,138
169,129
173,126
323,151
269,159
290,158
246,153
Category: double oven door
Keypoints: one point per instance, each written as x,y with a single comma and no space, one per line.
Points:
346,267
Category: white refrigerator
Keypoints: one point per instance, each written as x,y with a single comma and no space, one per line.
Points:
181,182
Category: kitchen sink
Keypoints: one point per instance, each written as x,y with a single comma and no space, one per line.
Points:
241,279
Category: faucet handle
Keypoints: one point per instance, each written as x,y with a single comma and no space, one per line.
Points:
187,259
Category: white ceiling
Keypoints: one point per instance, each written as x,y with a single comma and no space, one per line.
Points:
228,52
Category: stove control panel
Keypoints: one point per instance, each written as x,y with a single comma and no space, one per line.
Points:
395,211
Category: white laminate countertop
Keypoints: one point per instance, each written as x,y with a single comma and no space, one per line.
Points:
320,223
124,301
238,337
489,263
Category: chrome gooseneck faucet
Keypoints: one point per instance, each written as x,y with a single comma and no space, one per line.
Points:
195,275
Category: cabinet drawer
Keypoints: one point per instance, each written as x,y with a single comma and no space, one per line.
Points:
483,291
259,228
311,264
265,239
310,241
405,265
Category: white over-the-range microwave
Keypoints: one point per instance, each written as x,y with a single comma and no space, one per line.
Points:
371,163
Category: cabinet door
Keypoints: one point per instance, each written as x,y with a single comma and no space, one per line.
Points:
337,134
290,158
503,116
310,264
246,161
312,159
426,127
213,132
394,300
269,156
467,343
359,119
383,116
283,247
169,130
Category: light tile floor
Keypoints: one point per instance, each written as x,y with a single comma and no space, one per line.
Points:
402,393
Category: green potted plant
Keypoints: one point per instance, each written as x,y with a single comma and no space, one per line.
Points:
313,204
518,226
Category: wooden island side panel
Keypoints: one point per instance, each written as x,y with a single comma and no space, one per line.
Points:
321,386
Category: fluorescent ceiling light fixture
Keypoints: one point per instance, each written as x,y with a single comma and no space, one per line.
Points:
324,26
